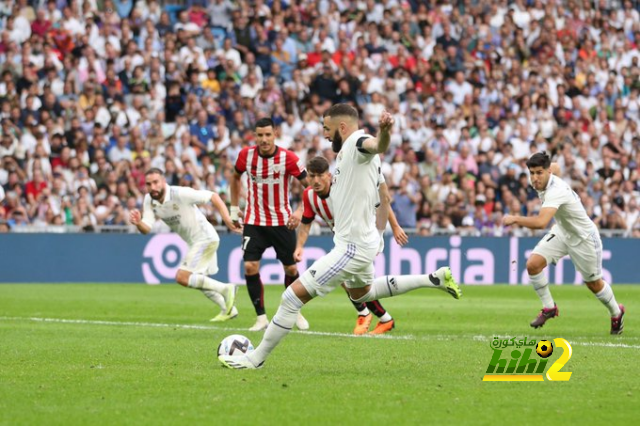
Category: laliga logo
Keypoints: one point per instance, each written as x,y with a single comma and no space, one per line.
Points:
162,256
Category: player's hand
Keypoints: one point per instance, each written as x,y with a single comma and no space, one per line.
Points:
135,217
294,220
297,254
235,227
508,220
386,121
400,236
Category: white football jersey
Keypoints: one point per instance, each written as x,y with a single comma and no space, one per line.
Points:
354,193
179,211
573,223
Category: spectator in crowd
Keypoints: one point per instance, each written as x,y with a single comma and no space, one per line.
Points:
92,95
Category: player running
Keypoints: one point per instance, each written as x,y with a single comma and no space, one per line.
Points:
573,234
177,207
354,194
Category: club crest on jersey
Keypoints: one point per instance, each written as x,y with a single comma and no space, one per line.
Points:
176,207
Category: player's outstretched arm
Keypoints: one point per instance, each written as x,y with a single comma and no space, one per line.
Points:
226,218
541,221
380,144
135,218
555,169
303,235
235,186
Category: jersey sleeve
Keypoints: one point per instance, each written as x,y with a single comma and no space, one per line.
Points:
148,218
294,166
365,155
192,196
307,213
241,162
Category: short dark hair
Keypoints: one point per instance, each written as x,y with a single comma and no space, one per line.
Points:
154,171
341,110
318,165
264,122
539,159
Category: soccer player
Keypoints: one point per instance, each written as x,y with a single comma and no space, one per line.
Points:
177,207
316,201
573,234
354,194
268,219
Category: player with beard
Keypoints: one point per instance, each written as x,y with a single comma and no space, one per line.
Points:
355,198
178,207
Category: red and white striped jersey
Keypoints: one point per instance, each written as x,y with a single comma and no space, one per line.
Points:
268,185
314,205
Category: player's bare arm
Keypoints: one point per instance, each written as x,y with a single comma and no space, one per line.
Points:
135,218
555,169
385,214
226,218
541,221
236,185
303,235
380,144
296,216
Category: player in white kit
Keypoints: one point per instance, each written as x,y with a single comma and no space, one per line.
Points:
177,207
573,234
317,201
354,194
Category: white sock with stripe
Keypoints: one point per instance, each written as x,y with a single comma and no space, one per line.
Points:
280,325
541,286
608,299
215,297
202,282
393,285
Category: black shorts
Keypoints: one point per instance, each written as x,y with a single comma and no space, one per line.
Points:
256,239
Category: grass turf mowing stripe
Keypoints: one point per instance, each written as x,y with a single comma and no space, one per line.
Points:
580,341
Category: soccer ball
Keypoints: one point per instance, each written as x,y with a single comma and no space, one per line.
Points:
544,348
235,345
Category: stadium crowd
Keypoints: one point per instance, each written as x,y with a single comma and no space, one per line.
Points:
93,93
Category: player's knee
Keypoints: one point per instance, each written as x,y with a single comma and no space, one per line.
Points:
251,268
291,270
182,277
535,265
595,286
358,295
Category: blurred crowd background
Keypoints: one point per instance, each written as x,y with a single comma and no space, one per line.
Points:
93,93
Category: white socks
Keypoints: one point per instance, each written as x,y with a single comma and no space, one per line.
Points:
364,312
280,325
205,283
216,298
541,286
608,299
394,285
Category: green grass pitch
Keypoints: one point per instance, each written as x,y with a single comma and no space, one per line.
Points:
144,355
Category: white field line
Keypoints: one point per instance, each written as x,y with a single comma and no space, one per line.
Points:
580,341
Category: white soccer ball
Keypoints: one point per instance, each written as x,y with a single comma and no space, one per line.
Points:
235,344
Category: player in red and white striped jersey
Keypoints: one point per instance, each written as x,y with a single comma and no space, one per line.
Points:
316,201
268,219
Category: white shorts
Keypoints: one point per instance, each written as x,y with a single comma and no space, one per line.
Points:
586,256
349,264
202,258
